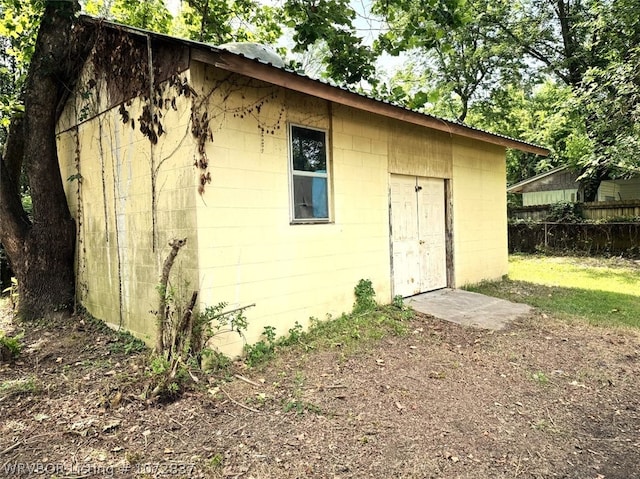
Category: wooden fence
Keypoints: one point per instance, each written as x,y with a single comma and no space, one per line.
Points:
580,238
603,210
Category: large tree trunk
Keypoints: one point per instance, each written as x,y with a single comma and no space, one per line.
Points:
41,251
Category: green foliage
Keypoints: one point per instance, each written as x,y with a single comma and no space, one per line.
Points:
214,361
328,25
159,365
366,322
127,343
11,344
547,114
167,378
562,74
365,297
149,14
454,52
218,22
27,204
417,24
19,22
295,336
296,401
216,462
213,321
565,212
187,343
263,350
300,407
610,90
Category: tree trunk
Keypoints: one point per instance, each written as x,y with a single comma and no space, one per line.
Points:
41,251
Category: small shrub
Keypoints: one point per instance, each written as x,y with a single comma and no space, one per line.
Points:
213,360
565,212
367,321
10,347
398,302
365,297
167,377
159,365
295,336
263,350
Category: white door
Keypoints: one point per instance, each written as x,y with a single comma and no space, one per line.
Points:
432,233
418,234
404,236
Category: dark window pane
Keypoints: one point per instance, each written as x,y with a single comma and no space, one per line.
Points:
310,197
309,149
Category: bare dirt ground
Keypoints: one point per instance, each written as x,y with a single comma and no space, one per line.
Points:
542,399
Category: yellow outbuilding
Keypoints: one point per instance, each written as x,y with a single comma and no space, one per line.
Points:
287,189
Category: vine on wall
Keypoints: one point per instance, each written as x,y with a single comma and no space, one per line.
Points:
128,68
207,112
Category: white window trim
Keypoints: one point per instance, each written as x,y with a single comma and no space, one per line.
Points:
312,174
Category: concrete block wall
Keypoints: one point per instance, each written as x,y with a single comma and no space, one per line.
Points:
479,211
249,250
118,265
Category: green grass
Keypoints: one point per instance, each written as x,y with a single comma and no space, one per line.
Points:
351,331
24,385
599,291
571,272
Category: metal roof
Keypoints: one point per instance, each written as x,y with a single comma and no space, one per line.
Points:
287,78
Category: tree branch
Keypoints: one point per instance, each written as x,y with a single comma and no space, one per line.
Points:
61,51
161,315
15,223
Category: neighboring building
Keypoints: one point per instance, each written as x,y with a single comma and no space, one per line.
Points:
561,184
288,190
553,186
617,190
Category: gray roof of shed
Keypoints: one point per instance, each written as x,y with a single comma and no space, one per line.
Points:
517,187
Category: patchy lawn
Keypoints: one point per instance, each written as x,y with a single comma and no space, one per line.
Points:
542,399
602,291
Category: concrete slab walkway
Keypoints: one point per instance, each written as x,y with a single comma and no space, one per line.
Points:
467,308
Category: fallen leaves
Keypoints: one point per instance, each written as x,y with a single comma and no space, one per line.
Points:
111,426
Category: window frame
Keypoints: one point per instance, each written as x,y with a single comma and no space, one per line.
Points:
309,174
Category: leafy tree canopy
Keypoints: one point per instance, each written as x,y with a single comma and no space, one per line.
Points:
19,22
557,72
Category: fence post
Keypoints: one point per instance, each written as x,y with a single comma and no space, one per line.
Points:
546,242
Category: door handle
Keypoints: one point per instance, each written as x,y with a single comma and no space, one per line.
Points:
421,241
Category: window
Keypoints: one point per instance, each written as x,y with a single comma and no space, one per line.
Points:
309,174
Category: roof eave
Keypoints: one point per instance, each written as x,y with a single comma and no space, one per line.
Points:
261,71
287,79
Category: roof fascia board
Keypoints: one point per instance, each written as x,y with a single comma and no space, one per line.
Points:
261,71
